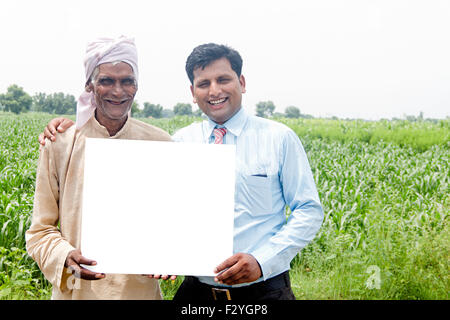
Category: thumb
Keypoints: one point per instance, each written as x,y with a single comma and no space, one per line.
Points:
226,264
64,125
86,261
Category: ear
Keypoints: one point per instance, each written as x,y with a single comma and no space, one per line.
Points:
89,87
192,92
242,82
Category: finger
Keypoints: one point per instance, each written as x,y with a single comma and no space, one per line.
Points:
227,263
83,260
84,273
48,134
89,275
247,269
64,125
165,277
51,126
54,123
42,139
235,280
238,277
74,268
228,274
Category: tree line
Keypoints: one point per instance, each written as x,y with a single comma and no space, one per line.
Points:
16,100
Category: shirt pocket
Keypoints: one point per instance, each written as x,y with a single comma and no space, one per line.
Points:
257,194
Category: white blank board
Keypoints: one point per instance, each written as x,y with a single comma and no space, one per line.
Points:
153,207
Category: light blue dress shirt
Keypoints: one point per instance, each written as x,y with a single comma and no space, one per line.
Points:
272,171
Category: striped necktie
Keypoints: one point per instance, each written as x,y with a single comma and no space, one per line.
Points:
219,133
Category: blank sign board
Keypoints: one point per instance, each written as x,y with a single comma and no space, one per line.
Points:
153,207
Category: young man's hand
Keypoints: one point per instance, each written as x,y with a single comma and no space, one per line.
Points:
55,125
242,267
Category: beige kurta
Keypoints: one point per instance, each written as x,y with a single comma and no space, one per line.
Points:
56,224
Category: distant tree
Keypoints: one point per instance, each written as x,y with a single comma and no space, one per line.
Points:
63,103
306,116
16,99
38,101
292,112
413,118
198,113
55,103
182,109
265,109
278,115
136,112
167,113
152,110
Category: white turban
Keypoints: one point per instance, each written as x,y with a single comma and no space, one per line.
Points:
103,50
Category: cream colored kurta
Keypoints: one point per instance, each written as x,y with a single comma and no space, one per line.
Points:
56,223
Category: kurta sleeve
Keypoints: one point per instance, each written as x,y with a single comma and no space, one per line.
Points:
44,241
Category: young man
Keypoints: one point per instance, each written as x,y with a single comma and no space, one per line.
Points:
111,84
272,171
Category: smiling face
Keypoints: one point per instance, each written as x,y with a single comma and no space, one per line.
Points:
218,90
114,88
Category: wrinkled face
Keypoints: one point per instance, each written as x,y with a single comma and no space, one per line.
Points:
218,90
114,89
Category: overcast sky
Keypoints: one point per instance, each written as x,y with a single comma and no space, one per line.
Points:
353,58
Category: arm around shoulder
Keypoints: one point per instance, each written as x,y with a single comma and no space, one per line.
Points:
53,127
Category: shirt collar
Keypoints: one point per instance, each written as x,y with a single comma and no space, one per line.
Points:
234,125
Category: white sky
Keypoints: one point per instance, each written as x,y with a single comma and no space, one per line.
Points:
350,58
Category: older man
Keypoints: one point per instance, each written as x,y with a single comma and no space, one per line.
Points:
53,240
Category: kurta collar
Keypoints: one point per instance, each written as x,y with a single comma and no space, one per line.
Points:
101,130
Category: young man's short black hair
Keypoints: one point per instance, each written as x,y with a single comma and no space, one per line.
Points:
204,54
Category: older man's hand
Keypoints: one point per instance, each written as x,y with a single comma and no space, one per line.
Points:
55,125
242,267
73,261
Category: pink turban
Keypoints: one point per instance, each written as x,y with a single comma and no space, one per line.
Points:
103,50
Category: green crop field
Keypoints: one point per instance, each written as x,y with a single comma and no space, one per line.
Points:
384,187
